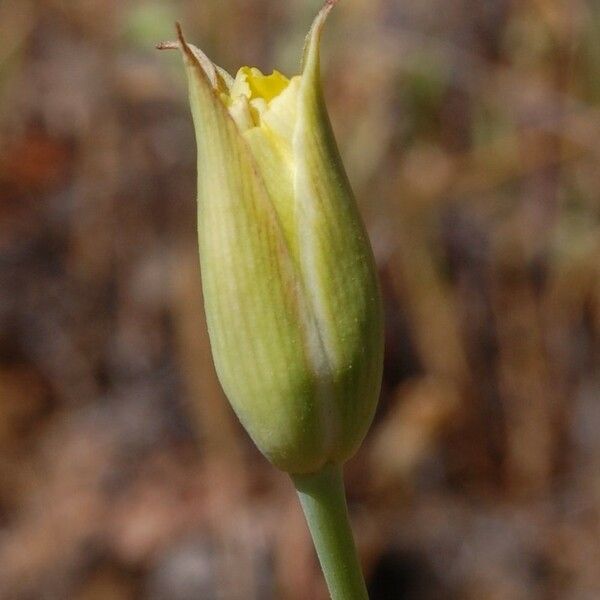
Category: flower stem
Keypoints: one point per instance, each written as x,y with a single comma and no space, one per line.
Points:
323,500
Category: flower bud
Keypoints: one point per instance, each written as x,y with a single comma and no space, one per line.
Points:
290,288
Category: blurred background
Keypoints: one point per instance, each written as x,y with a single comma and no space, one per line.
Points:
471,133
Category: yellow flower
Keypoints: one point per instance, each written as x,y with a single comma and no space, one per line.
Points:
290,288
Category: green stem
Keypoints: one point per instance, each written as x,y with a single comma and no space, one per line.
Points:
323,500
